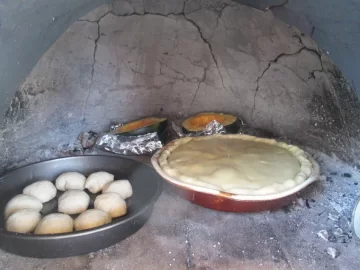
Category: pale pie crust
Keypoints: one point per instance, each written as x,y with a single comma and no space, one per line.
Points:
237,164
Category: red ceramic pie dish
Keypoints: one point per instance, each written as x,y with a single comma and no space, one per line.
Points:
228,202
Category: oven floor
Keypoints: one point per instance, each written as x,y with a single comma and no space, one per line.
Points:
181,235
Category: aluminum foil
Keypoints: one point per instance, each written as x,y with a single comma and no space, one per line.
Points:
130,145
213,127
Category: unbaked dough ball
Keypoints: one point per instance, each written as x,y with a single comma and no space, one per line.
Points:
44,190
91,218
55,223
70,180
111,203
20,202
23,221
121,187
73,202
96,181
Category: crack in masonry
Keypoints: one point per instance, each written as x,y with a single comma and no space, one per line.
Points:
257,88
95,21
211,8
148,13
134,70
184,6
192,102
218,18
187,19
184,77
275,61
319,54
198,87
93,64
312,73
210,47
85,20
194,24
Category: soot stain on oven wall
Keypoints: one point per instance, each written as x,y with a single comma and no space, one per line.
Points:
21,104
130,59
16,112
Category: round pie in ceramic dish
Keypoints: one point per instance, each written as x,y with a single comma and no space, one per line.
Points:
236,167
238,164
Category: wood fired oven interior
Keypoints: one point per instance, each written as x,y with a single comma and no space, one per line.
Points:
130,59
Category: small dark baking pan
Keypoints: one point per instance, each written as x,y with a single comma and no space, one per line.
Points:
146,186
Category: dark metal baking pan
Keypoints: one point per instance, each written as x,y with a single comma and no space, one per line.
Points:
146,184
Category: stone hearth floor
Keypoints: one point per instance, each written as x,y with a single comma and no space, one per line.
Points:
181,235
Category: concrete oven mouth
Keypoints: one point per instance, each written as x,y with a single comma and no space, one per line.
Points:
130,60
